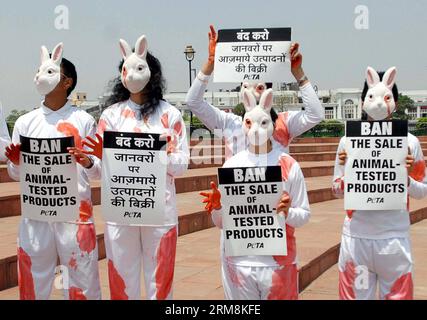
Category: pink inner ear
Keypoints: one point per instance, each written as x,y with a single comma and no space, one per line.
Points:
391,77
123,50
56,53
141,48
268,101
370,78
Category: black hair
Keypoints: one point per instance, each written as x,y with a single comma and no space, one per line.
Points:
394,90
268,85
69,70
154,88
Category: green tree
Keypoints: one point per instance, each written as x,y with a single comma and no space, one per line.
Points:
12,117
403,103
239,109
421,127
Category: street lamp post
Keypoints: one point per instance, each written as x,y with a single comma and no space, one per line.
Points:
189,55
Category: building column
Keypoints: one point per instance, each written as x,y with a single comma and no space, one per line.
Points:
339,112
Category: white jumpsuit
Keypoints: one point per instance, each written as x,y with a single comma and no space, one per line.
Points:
375,245
267,277
41,243
155,246
227,125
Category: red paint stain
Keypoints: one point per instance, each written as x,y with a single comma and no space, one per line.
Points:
72,263
286,163
419,170
178,128
338,185
346,282
350,213
402,289
291,245
86,210
117,284
86,237
124,76
128,113
166,264
68,130
75,293
233,273
165,120
102,126
281,131
25,278
284,284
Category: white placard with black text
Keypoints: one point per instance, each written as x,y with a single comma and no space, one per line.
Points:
249,197
48,179
253,55
134,178
375,171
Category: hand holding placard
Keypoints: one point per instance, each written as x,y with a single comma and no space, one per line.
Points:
81,157
284,204
96,146
212,199
13,153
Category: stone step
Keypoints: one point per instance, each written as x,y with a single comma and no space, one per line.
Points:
197,272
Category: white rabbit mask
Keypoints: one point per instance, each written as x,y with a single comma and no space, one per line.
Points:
135,71
379,103
257,89
49,74
257,123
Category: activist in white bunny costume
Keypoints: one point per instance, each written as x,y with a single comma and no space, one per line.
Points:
288,125
137,106
40,244
375,245
264,277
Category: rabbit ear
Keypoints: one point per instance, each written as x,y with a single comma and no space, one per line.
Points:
390,77
57,53
141,47
125,49
44,56
266,100
372,77
249,100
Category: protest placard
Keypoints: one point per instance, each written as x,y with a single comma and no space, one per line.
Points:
133,178
375,172
249,197
48,179
253,55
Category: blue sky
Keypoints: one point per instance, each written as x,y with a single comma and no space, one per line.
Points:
335,52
